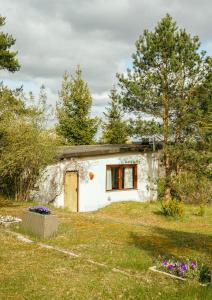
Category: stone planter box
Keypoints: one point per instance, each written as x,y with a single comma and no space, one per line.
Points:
39,224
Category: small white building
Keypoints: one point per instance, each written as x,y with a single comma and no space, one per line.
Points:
86,178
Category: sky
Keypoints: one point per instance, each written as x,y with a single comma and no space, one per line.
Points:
56,35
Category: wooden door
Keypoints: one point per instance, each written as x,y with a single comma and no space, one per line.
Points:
71,191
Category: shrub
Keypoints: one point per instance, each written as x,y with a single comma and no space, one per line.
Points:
26,146
25,150
160,187
205,274
188,187
201,211
192,188
173,208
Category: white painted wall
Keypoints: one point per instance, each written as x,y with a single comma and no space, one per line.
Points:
92,193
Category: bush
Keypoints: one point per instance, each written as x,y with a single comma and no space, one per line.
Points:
201,211
191,188
24,155
173,208
160,187
205,274
26,147
188,187
25,150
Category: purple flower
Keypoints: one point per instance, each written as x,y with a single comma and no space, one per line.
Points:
193,264
170,267
183,267
165,262
40,209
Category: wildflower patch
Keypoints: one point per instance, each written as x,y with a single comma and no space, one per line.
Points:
183,270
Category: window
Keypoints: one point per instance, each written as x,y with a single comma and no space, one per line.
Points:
121,177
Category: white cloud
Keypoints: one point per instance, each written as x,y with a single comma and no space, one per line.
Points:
54,36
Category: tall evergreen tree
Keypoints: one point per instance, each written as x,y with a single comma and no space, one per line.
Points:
114,128
73,111
8,60
168,68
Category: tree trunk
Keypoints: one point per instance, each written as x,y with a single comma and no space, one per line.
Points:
167,188
177,168
167,164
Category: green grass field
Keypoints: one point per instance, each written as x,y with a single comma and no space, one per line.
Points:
126,236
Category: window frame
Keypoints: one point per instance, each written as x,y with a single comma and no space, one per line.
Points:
120,176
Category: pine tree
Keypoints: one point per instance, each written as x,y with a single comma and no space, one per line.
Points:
114,128
73,111
8,60
168,68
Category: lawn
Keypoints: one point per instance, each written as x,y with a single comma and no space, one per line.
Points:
127,236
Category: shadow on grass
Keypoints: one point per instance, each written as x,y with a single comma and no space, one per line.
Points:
168,242
158,213
8,203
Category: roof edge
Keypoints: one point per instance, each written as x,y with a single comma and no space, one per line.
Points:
103,149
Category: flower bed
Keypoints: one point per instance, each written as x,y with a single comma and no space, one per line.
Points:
40,210
7,220
183,270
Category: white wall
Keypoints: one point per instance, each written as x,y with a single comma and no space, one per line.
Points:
92,193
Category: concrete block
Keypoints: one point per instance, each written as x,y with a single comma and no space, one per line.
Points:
39,224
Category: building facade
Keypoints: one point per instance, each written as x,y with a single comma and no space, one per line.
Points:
86,178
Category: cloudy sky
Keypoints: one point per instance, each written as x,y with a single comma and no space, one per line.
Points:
55,35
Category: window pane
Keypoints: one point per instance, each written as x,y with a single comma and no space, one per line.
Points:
128,178
115,178
109,179
112,178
